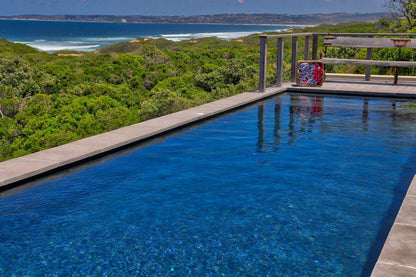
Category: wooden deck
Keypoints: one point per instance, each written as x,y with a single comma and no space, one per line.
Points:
353,84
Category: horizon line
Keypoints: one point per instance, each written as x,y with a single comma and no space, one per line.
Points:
215,14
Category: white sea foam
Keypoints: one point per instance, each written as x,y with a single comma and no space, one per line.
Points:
92,43
220,35
78,44
109,39
52,46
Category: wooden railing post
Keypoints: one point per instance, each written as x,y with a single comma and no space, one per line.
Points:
294,58
315,47
307,47
368,67
263,63
279,62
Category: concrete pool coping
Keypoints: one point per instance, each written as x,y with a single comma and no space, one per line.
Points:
398,257
19,170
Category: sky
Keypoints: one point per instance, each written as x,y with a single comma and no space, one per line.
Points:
185,7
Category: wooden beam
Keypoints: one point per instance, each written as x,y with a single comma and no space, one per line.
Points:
368,62
279,62
315,47
288,35
367,34
295,43
307,47
342,35
369,42
368,67
263,64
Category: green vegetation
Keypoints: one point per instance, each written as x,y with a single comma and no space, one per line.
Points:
47,100
405,9
51,99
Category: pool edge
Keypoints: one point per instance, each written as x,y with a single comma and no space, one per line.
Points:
17,171
398,256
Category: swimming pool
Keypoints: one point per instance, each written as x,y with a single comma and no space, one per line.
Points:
295,185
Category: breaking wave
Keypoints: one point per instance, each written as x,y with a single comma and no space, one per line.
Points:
82,36
220,35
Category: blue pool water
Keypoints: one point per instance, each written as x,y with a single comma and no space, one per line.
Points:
295,186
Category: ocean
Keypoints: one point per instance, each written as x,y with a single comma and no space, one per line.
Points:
51,36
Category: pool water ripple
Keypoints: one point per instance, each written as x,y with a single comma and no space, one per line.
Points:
275,189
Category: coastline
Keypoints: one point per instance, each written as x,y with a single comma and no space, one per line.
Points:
70,36
161,22
265,19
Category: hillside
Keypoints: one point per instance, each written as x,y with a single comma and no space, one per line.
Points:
276,19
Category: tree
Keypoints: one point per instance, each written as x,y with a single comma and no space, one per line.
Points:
403,8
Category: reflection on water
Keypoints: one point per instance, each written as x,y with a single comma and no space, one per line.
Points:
277,122
260,127
306,110
307,113
365,115
303,109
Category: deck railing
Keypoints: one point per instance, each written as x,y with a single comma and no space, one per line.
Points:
280,56
307,52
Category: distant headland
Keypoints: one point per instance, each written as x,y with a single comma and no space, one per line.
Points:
275,19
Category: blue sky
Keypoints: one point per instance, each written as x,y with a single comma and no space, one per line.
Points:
186,7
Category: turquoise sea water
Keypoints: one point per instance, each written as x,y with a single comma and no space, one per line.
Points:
295,186
88,36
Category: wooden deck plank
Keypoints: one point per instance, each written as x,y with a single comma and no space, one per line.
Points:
368,62
366,42
363,88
